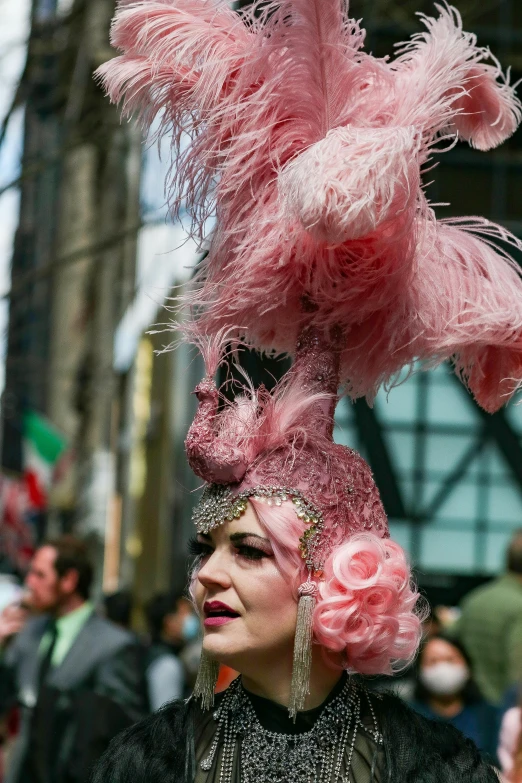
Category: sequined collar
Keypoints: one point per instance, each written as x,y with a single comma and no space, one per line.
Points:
322,752
274,717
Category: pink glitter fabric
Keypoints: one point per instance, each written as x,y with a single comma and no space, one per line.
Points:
335,479
285,440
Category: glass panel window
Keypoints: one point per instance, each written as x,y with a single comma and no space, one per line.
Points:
452,551
496,546
401,533
505,505
460,503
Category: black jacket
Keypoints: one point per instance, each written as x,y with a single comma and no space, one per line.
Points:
67,723
160,749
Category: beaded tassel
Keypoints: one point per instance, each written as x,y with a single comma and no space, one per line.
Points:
206,680
300,687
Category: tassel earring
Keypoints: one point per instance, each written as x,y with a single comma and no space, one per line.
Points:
300,687
206,680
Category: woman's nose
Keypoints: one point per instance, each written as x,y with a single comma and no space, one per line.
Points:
215,571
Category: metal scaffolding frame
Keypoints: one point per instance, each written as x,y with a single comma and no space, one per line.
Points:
481,460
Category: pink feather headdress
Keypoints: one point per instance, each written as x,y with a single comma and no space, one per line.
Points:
311,154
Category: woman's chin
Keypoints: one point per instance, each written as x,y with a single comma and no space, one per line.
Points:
221,649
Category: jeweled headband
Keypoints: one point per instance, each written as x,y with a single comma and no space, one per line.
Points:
219,504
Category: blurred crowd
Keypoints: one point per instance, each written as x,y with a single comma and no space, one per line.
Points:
73,674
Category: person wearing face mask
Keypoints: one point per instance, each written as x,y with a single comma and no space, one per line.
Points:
173,628
445,691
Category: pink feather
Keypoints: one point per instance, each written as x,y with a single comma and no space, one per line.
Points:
311,151
379,179
179,62
448,85
459,305
486,113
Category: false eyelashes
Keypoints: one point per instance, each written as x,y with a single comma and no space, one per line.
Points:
198,549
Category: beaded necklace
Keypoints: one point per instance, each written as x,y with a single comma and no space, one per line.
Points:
314,756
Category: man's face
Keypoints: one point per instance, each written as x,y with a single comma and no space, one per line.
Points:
43,583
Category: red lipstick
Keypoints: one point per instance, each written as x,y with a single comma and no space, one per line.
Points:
217,613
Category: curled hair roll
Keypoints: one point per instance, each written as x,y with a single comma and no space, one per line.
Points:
366,616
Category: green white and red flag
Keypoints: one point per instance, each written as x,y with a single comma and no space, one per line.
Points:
43,445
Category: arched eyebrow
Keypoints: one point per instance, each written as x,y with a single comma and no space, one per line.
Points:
238,537
241,536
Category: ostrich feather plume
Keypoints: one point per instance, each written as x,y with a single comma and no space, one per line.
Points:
311,153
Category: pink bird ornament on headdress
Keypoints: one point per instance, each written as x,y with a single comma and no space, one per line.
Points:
311,153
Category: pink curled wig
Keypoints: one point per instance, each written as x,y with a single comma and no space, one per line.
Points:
365,616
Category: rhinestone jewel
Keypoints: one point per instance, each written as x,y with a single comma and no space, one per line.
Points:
217,505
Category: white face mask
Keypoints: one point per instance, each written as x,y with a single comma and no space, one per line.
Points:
444,679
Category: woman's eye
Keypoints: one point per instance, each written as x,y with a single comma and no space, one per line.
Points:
199,549
250,552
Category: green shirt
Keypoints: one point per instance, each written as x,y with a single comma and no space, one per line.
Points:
490,628
68,627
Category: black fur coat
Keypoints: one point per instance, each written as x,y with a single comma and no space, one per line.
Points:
160,749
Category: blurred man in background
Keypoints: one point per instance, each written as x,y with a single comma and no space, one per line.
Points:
490,628
117,607
173,627
76,676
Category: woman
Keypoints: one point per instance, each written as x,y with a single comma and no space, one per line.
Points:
244,588
445,691
311,153
296,583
